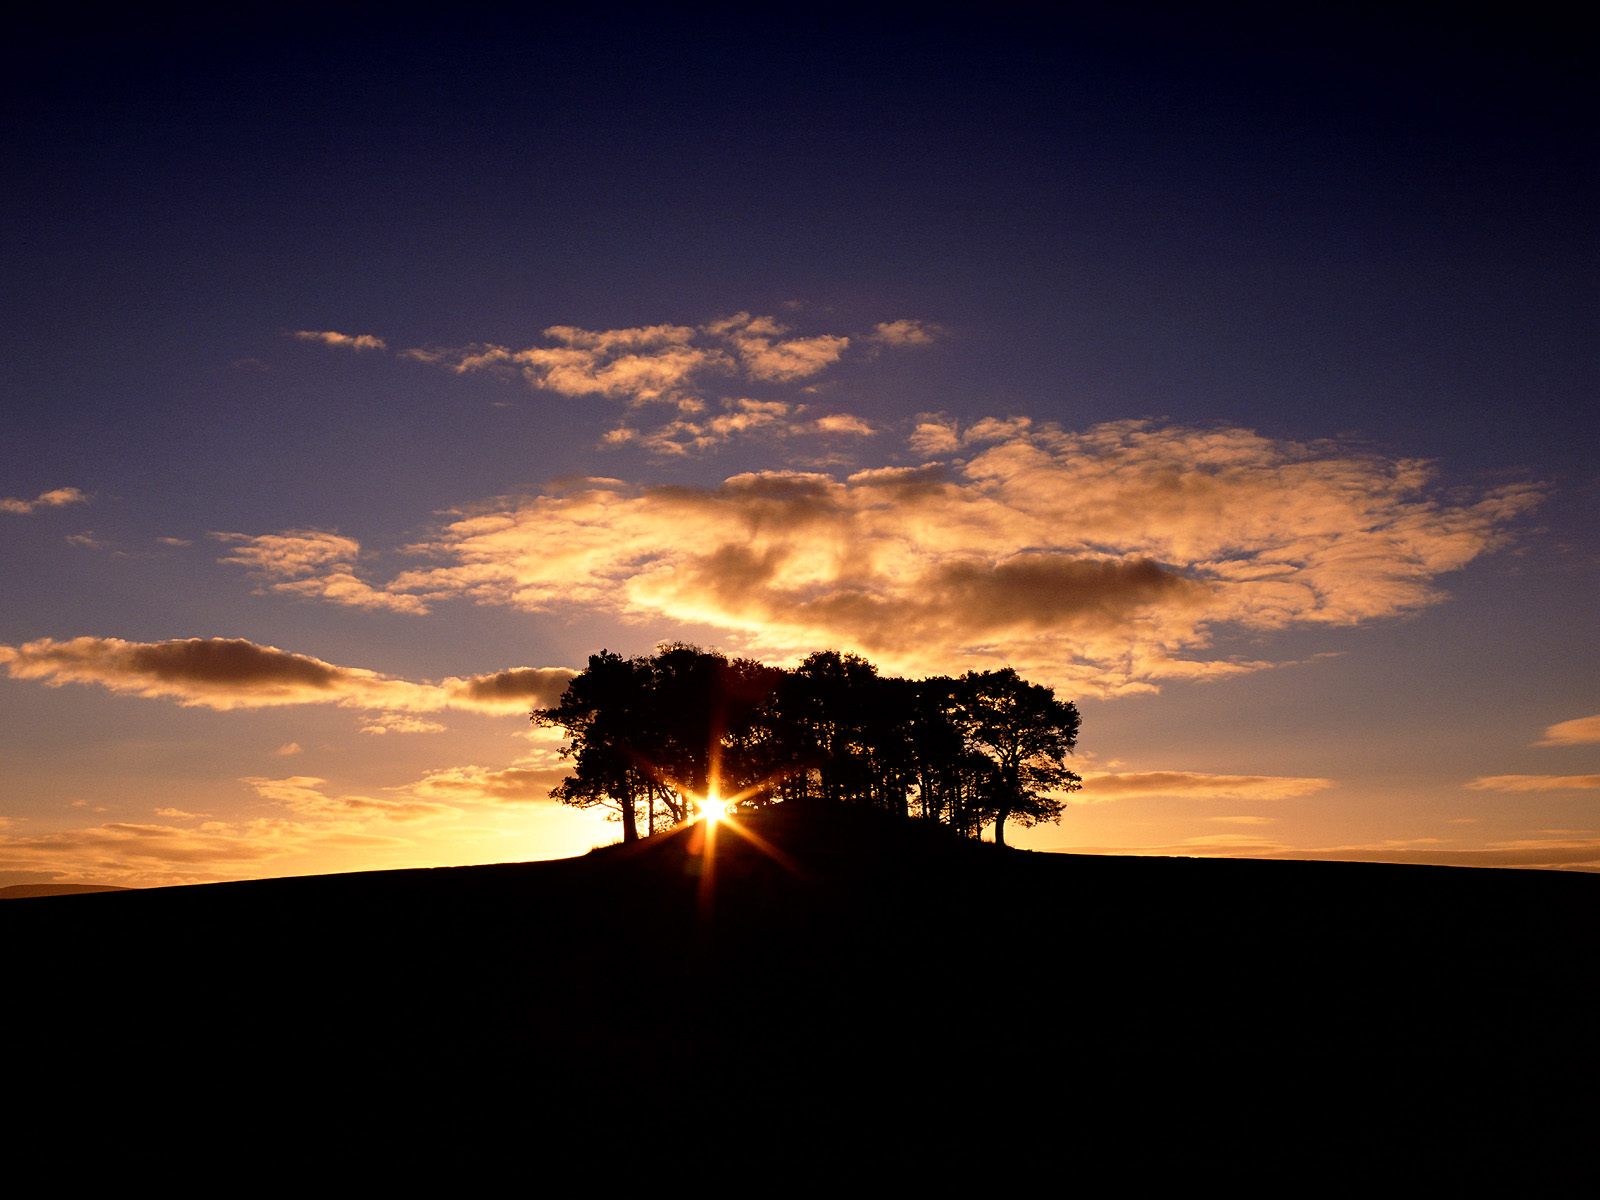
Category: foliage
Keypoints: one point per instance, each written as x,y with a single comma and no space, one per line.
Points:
650,735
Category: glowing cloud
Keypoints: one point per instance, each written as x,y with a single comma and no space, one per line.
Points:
1099,561
768,355
1536,783
639,365
741,418
905,333
54,498
1580,731
1192,784
343,341
316,564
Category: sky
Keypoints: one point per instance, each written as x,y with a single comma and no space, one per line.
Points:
1233,376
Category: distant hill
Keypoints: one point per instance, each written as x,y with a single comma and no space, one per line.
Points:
28,891
874,962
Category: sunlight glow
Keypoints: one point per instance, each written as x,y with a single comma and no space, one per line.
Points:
713,808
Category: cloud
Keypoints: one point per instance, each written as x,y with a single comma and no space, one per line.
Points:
640,365
287,750
1580,731
386,723
485,785
343,341
293,552
1535,783
1103,561
767,354
844,423
316,564
232,673
906,332
307,821
677,367
54,498
1195,785
741,417
1558,853
304,795
517,689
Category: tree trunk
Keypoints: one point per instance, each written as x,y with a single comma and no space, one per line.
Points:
1000,827
630,826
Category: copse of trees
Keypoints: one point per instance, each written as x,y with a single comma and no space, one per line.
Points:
650,736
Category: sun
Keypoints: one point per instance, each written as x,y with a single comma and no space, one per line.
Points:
713,808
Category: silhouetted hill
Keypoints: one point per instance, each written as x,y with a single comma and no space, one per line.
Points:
862,962
29,891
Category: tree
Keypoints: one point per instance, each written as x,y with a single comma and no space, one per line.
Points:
604,714
650,736
1025,734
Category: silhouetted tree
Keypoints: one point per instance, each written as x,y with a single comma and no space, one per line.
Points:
663,730
605,714
1025,734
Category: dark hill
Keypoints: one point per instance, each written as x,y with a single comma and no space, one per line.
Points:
867,959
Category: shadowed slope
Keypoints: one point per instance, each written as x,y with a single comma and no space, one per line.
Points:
856,953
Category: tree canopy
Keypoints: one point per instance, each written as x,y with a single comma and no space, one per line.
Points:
652,737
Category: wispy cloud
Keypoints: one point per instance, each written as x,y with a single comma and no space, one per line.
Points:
648,363
304,820
232,673
1536,783
669,364
1566,853
342,341
1194,784
305,794
906,332
1580,731
768,352
54,498
385,723
316,564
1101,560
741,418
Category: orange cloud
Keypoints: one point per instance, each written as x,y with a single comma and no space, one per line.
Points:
741,418
343,341
232,673
905,332
303,794
768,355
1535,783
1580,731
486,785
648,363
1099,561
54,498
316,564
1193,784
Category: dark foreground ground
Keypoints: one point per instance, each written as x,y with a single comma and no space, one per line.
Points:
867,970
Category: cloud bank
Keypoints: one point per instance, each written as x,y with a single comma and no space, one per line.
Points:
1105,561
